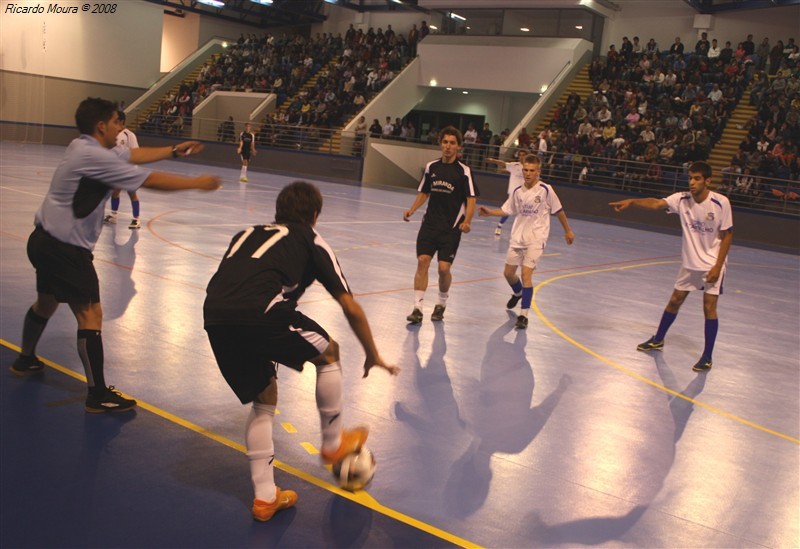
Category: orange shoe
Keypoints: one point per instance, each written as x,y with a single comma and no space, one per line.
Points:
352,441
284,499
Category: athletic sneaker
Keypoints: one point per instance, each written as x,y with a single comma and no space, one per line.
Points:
498,231
513,301
415,317
522,323
438,313
243,179
27,365
703,365
111,401
284,499
651,345
110,219
352,441
135,224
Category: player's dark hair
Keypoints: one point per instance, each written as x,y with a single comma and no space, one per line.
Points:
703,168
450,130
91,112
121,116
530,159
298,202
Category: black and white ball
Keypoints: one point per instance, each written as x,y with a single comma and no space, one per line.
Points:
355,471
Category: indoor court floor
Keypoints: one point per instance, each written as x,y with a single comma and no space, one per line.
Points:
559,436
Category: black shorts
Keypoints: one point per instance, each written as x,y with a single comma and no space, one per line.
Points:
63,270
245,154
246,355
436,241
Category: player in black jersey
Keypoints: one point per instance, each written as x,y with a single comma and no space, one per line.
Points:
452,192
253,324
246,149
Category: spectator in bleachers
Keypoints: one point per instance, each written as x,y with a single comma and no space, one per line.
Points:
776,57
748,45
676,49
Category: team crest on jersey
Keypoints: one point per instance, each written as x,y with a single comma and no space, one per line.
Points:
710,216
538,199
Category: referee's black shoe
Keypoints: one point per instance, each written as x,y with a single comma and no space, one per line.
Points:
513,301
110,401
27,365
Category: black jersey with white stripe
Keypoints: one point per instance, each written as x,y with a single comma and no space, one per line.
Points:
448,186
265,271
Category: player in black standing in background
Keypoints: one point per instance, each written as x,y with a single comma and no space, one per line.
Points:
448,182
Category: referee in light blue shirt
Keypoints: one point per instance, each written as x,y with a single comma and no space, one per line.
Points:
68,224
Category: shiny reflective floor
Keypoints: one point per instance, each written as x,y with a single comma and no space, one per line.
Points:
561,435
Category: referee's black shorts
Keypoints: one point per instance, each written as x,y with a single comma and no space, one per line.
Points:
246,355
63,270
444,243
245,154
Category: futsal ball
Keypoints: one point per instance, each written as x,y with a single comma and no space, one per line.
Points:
355,471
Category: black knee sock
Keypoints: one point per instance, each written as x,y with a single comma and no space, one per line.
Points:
32,329
90,349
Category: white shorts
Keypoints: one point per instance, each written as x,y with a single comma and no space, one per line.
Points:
696,280
527,257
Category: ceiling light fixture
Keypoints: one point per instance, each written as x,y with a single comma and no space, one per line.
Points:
213,3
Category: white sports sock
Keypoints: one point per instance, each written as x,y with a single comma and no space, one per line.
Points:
443,298
524,312
244,171
261,450
419,297
329,404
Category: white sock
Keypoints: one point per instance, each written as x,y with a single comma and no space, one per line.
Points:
524,312
261,450
244,171
329,404
443,298
419,297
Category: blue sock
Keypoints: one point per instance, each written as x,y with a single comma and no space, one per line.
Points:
135,208
712,325
666,321
517,287
114,203
527,297
503,220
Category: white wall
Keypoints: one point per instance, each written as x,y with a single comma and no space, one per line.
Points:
123,48
501,63
180,39
666,19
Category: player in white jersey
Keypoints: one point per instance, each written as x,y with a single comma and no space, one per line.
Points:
533,203
707,223
515,179
126,139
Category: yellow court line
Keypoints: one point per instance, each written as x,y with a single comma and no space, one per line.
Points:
631,372
361,497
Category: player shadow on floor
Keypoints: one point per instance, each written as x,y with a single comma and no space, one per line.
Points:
438,412
500,417
346,524
57,455
654,471
118,285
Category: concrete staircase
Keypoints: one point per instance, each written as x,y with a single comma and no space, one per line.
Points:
733,134
143,114
580,85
